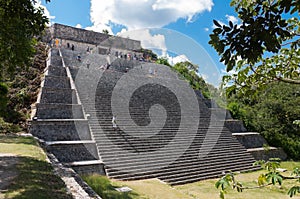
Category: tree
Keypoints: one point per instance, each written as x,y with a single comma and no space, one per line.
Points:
263,48
272,177
273,112
163,61
105,31
20,23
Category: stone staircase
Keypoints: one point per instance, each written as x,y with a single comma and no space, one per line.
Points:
60,122
172,151
252,141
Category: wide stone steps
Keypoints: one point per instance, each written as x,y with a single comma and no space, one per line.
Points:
140,142
121,151
135,149
169,171
189,159
173,174
189,156
168,154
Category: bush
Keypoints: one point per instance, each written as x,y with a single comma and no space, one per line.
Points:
8,127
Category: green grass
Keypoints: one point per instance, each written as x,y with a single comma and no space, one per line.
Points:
155,189
106,188
35,179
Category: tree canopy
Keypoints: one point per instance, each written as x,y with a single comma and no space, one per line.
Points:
263,48
20,23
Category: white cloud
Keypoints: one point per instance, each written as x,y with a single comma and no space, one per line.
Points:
155,41
206,29
37,4
231,18
136,14
78,26
177,59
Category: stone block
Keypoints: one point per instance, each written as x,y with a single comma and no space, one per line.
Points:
74,152
59,111
56,82
59,96
60,130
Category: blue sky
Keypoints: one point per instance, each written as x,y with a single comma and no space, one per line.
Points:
189,21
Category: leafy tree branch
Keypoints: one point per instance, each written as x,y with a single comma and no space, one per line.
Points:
272,177
255,49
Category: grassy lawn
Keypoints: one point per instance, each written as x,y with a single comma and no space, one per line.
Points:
35,179
206,190
155,189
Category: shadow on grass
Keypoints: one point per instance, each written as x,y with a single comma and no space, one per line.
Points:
36,181
15,139
103,187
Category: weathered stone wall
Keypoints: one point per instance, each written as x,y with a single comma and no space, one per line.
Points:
95,38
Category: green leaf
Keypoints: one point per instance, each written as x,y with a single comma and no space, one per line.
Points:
217,30
217,23
261,179
293,191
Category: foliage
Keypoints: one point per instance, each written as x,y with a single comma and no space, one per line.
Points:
263,48
189,71
272,112
20,23
22,92
104,188
105,31
271,177
6,127
148,54
3,96
163,61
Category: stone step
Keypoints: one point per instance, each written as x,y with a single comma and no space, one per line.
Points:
189,161
58,96
72,142
235,126
59,111
193,150
138,145
250,139
174,173
55,58
58,71
72,151
88,167
56,82
267,153
60,130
